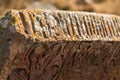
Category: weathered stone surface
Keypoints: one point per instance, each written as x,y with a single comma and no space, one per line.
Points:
59,45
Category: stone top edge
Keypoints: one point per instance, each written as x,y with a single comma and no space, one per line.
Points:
58,25
62,11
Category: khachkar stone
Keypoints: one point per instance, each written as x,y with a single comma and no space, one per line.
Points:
59,45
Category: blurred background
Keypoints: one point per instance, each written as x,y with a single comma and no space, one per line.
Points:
101,6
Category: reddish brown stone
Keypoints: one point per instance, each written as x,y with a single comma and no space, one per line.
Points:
59,45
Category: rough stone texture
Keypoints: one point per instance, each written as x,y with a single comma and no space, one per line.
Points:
59,45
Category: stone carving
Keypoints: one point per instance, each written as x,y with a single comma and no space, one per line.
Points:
59,45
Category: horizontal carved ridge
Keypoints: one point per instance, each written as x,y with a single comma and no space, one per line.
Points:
66,25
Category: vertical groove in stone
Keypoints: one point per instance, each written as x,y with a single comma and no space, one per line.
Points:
38,25
98,26
62,23
94,19
116,27
75,27
26,22
82,27
70,27
66,18
106,27
85,26
43,23
102,27
78,25
65,23
59,31
109,27
90,24
112,27
23,21
48,26
32,20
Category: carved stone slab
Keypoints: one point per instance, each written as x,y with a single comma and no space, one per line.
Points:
59,45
